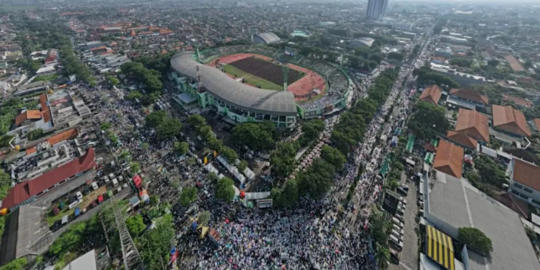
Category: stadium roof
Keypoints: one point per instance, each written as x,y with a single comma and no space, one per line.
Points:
449,158
242,95
473,124
458,204
268,37
510,119
431,94
26,190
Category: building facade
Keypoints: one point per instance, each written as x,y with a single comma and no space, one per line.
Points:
376,9
524,181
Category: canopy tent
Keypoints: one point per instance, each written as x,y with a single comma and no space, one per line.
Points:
440,248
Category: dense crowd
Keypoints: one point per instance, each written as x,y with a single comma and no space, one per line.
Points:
303,238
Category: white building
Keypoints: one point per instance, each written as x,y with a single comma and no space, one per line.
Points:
376,9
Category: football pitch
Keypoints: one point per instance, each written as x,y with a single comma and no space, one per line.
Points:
251,79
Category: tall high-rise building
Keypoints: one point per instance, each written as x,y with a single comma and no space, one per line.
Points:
376,9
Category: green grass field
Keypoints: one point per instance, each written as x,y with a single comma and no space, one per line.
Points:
251,79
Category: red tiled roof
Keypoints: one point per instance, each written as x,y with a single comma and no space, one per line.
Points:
45,112
514,63
26,190
98,48
527,174
537,123
431,94
473,124
68,134
519,101
449,159
29,114
469,94
31,150
462,139
510,119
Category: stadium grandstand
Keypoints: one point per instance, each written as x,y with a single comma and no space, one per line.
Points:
265,38
203,82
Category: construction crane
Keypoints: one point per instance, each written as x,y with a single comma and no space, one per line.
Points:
132,259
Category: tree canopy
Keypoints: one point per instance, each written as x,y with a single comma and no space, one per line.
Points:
317,180
475,239
169,128
288,196
282,159
333,156
428,120
135,225
311,131
255,135
188,195
155,245
155,118
224,189
426,76
181,148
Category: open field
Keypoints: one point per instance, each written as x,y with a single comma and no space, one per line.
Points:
251,79
267,70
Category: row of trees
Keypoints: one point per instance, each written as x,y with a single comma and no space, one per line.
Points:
258,136
352,125
166,127
149,78
207,135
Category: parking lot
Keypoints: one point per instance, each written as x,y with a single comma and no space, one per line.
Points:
409,255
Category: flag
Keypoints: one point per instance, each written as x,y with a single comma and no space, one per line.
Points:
205,160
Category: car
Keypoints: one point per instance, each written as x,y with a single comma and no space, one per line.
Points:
402,191
394,256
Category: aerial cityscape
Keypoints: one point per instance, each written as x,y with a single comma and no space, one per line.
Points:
247,135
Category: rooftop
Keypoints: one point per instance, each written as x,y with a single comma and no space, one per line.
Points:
458,204
510,119
469,94
244,96
268,37
25,190
526,173
462,139
473,124
431,94
449,158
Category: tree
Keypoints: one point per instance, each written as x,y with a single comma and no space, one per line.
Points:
490,171
17,264
289,195
460,61
215,144
242,166
188,195
135,225
154,246
317,179
204,218
224,189
112,80
155,118
125,155
229,154
169,128
181,148
382,255
256,135
134,95
493,62
145,146
282,159
333,156
475,239
196,120
428,120
135,167
34,134
311,131
105,126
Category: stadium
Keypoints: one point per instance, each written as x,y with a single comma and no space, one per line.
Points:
255,83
